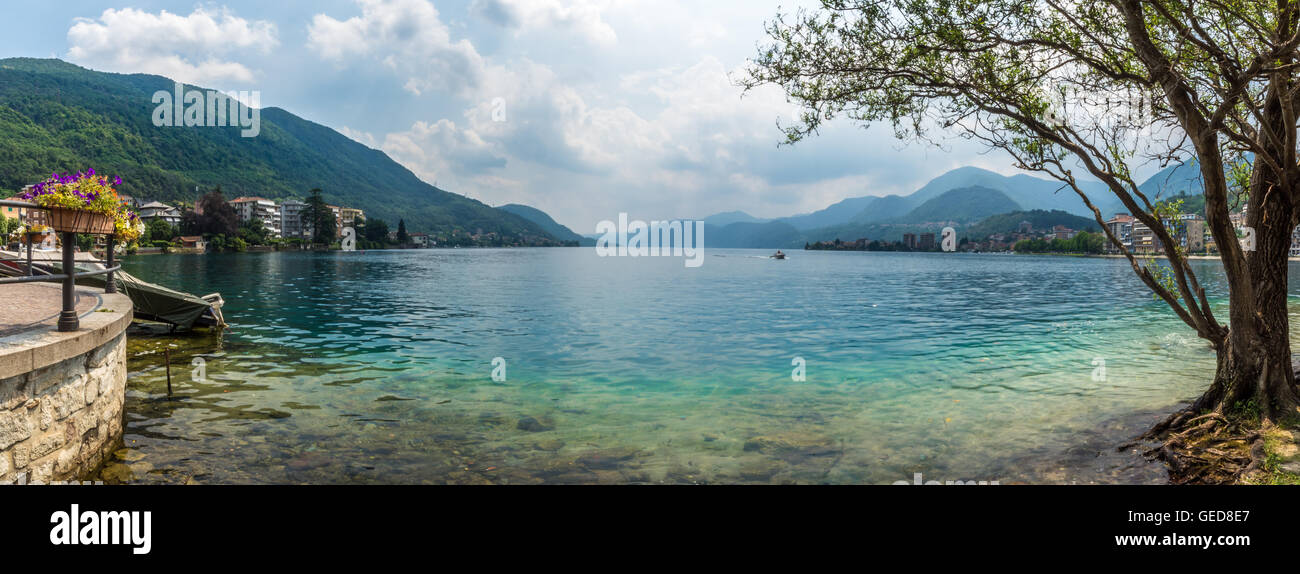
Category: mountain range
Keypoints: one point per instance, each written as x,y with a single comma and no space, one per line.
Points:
961,198
56,116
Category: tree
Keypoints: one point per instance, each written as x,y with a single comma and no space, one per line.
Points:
159,230
211,216
1099,86
402,237
320,216
253,232
376,230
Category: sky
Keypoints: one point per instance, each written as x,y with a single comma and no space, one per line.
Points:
581,108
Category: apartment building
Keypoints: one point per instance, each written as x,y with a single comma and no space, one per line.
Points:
292,225
1121,226
261,209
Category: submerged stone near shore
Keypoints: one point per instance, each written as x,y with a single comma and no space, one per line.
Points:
790,442
531,424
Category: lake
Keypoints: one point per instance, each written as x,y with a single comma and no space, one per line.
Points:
377,367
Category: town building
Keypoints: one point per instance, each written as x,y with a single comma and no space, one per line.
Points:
292,225
927,242
350,217
261,209
1144,239
191,242
1191,234
1120,226
419,239
155,210
909,240
338,220
13,212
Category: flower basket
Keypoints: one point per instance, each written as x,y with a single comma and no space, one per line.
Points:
79,221
85,203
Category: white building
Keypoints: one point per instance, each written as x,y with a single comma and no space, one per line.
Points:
262,209
292,225
156,210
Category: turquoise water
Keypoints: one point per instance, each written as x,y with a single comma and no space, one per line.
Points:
377,367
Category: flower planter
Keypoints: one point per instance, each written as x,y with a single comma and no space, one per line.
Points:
77,221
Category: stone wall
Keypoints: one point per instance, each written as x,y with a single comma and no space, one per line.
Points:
61,421
61,393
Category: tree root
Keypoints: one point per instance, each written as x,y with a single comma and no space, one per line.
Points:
1203,449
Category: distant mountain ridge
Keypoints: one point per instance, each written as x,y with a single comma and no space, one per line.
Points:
979,194
549,225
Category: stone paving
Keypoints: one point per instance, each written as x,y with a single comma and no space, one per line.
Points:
27,306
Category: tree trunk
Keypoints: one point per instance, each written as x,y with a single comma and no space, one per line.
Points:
1254,367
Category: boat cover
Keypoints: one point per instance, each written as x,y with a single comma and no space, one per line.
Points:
155,302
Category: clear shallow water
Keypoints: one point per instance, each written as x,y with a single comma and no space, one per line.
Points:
376,368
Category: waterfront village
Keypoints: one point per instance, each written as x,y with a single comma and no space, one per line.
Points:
241,224
1188,229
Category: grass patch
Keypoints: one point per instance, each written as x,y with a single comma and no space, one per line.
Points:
1271,472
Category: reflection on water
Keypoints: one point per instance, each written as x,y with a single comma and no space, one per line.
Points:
376,368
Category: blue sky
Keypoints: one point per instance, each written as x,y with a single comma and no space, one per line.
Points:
607,105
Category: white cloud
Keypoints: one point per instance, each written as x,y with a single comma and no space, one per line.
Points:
362,137
578,16
651,123
195,49
406,36
442,151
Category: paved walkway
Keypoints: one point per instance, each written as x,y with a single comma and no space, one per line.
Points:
27,306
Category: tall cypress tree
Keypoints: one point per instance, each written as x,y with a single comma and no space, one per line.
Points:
321,218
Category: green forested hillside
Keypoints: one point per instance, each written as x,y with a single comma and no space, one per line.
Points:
1040,219
551,226
961,205
59,117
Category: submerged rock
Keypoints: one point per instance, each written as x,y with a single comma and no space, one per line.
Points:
308,461
531,424
128,454
808,444
761,470
609,459
552,445
115,473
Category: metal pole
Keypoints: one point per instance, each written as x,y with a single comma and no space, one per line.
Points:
109,285
68,317
167,356
30,237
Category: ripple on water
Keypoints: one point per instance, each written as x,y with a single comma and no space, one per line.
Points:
376,368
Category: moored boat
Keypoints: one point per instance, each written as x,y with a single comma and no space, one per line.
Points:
152,302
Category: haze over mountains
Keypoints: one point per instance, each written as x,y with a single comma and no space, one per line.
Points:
961,198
